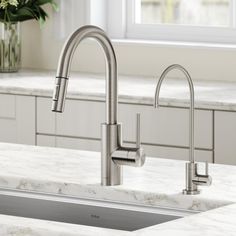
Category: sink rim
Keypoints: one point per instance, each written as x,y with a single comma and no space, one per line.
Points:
52,199
156,209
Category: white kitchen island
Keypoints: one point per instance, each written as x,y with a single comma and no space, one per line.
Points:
158,183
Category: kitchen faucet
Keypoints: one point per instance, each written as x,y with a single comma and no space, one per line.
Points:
193,179
113,153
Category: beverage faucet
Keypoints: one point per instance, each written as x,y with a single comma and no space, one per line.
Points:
113,153
193,179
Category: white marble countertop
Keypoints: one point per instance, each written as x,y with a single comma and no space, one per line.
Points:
216,95
77,173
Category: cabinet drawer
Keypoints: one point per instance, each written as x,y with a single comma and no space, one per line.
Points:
71,143
80,144
177,153
150,150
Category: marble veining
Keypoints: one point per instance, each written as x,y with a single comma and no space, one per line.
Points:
218,222
77,173
19,226
219,95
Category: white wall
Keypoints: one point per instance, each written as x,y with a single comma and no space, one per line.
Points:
41,49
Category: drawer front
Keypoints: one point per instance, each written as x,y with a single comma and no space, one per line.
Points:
150,150
163,126
71,143
177,153
80,144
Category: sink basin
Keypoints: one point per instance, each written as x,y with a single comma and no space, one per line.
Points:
84,212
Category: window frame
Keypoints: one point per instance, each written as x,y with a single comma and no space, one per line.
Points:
128,29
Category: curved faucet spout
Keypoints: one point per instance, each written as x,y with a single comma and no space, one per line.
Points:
64,65
113,154
191,112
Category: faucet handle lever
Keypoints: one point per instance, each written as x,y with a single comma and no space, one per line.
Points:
138,142
206,168
132,156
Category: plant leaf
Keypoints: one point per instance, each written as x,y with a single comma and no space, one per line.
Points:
27,10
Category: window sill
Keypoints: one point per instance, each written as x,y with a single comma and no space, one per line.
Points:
174,44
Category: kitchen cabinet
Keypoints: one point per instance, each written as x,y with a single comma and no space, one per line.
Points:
164,131
225,137
17,119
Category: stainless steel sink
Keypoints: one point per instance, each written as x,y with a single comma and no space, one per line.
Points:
84,212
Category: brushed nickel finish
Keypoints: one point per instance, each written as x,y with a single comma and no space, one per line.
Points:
90,212
113,154
193,179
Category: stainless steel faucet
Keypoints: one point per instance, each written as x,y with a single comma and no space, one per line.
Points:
193,179
113,153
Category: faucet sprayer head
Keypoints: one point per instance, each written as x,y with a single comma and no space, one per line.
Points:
59,94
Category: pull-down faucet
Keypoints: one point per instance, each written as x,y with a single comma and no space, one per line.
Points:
113,153
193,179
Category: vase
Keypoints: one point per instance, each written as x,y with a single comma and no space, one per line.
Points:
10,47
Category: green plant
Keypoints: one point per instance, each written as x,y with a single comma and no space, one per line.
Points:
12,11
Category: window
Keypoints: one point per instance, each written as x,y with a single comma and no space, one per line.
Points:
211,21
215,13
182,20
76,13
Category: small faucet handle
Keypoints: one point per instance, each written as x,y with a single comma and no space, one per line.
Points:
206,170
203,179
138,142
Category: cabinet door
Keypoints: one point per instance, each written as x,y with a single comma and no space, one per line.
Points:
17,119
46,141
81,119
225,137
46,119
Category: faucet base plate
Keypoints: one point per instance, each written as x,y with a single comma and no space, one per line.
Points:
191,192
